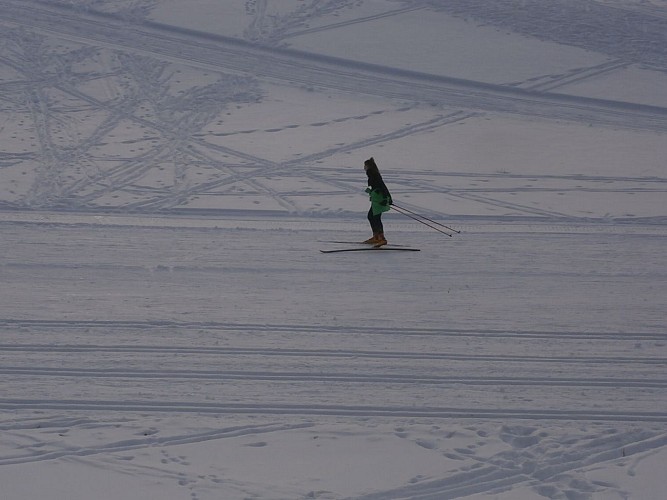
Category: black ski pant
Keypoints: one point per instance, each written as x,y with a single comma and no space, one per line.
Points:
376,222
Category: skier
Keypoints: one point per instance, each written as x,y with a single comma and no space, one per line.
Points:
380,202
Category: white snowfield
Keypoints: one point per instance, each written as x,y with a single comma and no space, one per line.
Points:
169,171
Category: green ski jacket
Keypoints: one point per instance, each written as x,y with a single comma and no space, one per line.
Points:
380,200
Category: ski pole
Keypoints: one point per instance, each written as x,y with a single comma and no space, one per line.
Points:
425,218
399,210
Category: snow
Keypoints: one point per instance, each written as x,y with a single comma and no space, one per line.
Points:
170,171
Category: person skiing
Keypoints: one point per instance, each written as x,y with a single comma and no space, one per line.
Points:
380,202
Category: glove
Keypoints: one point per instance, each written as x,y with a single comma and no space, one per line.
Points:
368,190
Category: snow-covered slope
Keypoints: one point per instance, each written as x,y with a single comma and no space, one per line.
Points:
170,170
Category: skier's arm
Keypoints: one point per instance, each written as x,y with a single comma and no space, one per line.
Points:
387,195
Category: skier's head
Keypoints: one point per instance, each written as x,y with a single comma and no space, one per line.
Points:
370,167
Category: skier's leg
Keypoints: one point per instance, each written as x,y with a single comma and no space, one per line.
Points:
372,219
379,228
379,235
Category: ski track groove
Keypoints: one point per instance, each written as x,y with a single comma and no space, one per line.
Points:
554,82
343,24
144,326
335,353
485,200
305,377
268,408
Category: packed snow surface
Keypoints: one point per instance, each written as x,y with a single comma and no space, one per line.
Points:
170,170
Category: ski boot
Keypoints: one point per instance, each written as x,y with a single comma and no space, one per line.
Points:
380,240
372,240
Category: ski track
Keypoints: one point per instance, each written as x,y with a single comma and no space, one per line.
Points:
307,378
638,378
140,443
157,326
634,32
336,353
552,82
331,410
498,476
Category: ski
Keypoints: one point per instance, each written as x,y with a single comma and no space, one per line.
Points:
355,243
363,249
